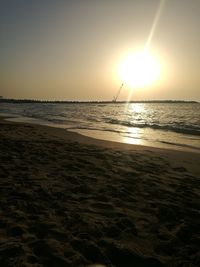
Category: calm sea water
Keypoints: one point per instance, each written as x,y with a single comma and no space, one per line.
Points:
173,125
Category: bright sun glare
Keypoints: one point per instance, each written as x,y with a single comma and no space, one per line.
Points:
139,69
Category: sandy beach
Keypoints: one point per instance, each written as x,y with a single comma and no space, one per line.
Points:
70,200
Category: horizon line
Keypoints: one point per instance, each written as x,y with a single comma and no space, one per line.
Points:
27,100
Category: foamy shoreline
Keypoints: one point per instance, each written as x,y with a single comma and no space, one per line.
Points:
105,135
171,126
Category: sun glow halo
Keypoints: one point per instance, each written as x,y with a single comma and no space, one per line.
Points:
139,69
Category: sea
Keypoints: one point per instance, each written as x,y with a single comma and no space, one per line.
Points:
164,125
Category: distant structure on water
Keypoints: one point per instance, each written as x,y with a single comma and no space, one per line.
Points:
118,92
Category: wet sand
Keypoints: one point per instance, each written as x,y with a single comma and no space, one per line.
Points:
69,200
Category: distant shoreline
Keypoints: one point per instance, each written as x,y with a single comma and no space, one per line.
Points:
7,100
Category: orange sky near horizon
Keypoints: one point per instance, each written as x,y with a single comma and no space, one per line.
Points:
72,50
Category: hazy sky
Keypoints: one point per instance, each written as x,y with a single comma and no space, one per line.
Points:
72,49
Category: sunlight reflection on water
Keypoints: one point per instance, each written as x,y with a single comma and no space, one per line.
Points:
133,137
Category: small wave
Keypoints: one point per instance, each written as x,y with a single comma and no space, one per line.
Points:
95,129
185,129
181,145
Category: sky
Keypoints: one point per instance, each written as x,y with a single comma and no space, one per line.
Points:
73,49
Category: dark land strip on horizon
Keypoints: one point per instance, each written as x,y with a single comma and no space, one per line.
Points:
8,100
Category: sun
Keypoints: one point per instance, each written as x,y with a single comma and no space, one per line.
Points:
139,69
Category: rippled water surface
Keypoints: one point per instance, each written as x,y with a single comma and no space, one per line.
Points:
171,125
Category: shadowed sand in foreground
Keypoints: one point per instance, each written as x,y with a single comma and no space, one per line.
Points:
68,200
